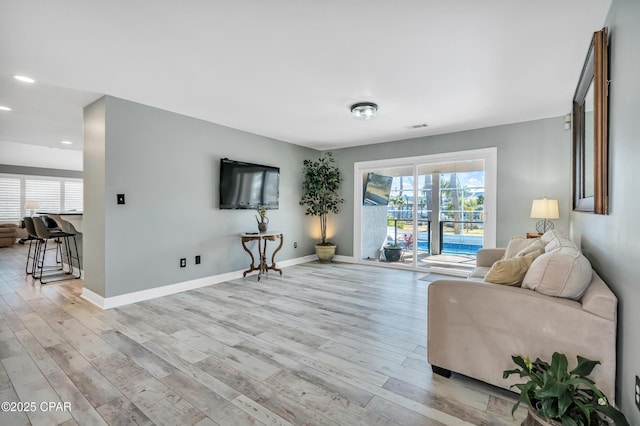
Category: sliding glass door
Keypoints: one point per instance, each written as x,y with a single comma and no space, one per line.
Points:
427,212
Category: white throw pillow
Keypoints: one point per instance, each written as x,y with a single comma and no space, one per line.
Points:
556,240
552,234
562,273
536,247
516,245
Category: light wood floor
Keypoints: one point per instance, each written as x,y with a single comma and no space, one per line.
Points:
336,344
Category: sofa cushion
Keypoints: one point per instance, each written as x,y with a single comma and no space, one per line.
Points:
562,273
479,273
511,271
516,245
7,234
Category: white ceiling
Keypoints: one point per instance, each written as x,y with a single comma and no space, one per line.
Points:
290,70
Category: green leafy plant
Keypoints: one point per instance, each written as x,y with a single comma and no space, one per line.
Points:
320,190
389,219
570,397
263,220
262,212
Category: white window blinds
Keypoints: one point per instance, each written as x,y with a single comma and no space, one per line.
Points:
45,192
19,194
73,195
10,199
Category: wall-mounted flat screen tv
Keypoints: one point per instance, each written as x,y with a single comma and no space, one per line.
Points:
246,185
376,190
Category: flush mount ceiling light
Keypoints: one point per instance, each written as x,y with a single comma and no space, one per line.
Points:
4,108
66,142
24,79
364,110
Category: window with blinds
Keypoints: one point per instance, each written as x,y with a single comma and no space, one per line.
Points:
10,207
50,194
45,192
73,196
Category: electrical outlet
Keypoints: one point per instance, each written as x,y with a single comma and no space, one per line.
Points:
638,392
183,262
120,198
197,259
295,245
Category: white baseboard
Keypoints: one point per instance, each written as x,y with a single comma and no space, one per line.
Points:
345,259
298,260
93,297
152,293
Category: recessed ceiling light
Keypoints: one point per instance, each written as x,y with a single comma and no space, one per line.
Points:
24,79
66,142
4,108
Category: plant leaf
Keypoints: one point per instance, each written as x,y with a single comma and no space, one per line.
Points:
519,361
618,418
553,389
559,366
585,366
584,408
507,373
564,402
568,421
549,409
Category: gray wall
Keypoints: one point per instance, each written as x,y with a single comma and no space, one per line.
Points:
533,162
39,171
374,220
167,165
93,220
612,242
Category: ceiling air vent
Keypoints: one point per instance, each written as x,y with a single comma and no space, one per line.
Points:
417,126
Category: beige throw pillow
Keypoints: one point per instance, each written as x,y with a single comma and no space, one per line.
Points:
510,271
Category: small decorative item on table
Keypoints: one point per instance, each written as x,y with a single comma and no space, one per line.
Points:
263,221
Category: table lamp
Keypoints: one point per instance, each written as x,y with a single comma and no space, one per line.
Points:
32,206
544,209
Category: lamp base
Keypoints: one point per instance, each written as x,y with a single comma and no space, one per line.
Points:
544,225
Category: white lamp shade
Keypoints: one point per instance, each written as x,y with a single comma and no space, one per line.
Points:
32,205
545,209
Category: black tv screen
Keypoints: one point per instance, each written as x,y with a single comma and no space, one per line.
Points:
246,185
377,190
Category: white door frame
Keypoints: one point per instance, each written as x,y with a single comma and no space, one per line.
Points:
490,157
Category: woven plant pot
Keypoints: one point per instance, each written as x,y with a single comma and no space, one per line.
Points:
533,420
325,252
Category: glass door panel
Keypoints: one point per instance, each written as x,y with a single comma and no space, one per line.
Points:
433,217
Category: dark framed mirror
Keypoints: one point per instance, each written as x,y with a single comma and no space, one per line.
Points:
590,130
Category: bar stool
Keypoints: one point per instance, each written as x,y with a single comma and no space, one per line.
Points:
73,232
31,237
47,234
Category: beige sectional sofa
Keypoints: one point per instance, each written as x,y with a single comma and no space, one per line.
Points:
8,234
562,305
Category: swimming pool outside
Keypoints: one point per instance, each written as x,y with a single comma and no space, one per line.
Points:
463,244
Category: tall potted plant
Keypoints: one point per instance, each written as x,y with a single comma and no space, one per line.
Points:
320,195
